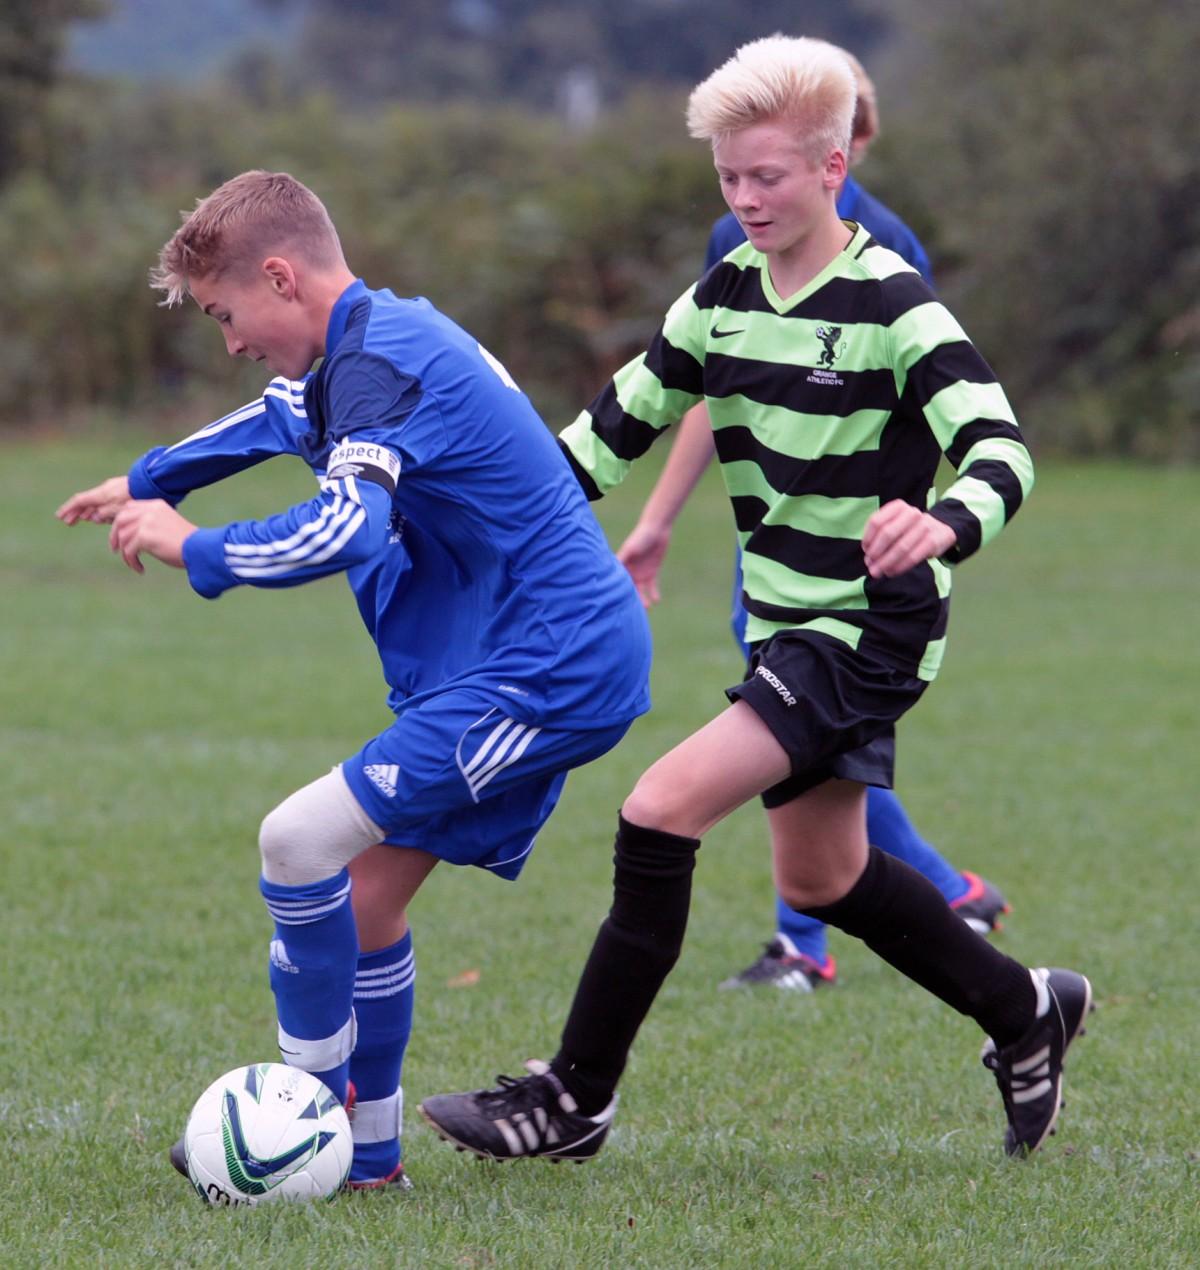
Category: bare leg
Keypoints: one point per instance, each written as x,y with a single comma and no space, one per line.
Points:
819,843
698,783
385,881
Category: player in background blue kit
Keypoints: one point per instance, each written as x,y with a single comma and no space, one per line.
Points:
797,957
512,641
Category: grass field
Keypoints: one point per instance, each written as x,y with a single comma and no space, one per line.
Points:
146,731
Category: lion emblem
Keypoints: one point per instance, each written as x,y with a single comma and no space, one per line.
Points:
829,336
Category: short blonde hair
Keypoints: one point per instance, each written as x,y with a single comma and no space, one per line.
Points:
239,225
806,84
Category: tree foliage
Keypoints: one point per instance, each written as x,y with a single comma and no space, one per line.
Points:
1056,142
1046,157
31,36
552,248
526,50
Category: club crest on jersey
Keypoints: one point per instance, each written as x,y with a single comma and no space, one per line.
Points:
832,347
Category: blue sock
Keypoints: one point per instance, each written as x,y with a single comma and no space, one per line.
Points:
313,957
889,829
383,1008
806,933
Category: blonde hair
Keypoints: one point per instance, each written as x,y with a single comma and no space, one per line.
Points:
239,225
806,84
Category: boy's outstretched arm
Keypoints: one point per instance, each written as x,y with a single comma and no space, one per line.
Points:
643,399
265,428
346,524
259,430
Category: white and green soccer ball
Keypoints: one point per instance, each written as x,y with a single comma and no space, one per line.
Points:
267,1132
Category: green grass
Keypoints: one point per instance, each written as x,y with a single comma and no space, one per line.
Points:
145,732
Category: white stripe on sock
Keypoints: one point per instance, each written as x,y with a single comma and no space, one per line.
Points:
378,1120
322,1053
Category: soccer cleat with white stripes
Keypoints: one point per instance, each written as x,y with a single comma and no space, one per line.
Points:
780,965
1029,1072
523,1116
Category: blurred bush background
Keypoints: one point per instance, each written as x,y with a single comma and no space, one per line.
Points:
525,165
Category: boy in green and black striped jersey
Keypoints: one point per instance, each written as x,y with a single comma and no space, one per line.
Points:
797,957
835,381
827,405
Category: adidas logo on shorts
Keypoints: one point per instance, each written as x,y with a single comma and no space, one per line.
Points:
383,776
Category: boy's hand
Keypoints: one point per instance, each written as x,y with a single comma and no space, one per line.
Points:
900,536
99,504
642,553
151,526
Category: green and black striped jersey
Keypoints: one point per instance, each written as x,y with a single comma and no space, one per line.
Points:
824,406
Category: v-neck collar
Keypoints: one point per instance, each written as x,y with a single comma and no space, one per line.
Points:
858,241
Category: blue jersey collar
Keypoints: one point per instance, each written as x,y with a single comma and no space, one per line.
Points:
340,313
848,198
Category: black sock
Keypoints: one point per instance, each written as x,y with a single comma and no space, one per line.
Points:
904,918
635,949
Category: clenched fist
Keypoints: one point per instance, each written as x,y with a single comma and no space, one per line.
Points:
900,536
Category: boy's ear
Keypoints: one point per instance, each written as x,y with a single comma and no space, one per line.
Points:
836,168
280,276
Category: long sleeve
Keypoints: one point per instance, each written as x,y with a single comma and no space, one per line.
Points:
947,379
344,525
644,398
256,431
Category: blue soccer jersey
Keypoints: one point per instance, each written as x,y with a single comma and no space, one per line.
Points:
469,546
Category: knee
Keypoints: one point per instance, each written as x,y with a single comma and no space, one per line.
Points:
274,839
810,895
314,833
654,804
815,889
293,847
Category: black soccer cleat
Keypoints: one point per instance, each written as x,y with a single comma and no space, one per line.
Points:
982,906
1029,1072
179,1157
525,1116
779,966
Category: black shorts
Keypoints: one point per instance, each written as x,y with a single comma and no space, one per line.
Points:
832,709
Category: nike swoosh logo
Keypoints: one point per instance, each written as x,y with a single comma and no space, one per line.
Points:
255,1174
718,334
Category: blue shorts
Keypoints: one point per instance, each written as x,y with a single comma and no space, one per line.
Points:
455,776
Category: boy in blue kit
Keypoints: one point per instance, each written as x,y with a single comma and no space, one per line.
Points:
512,641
